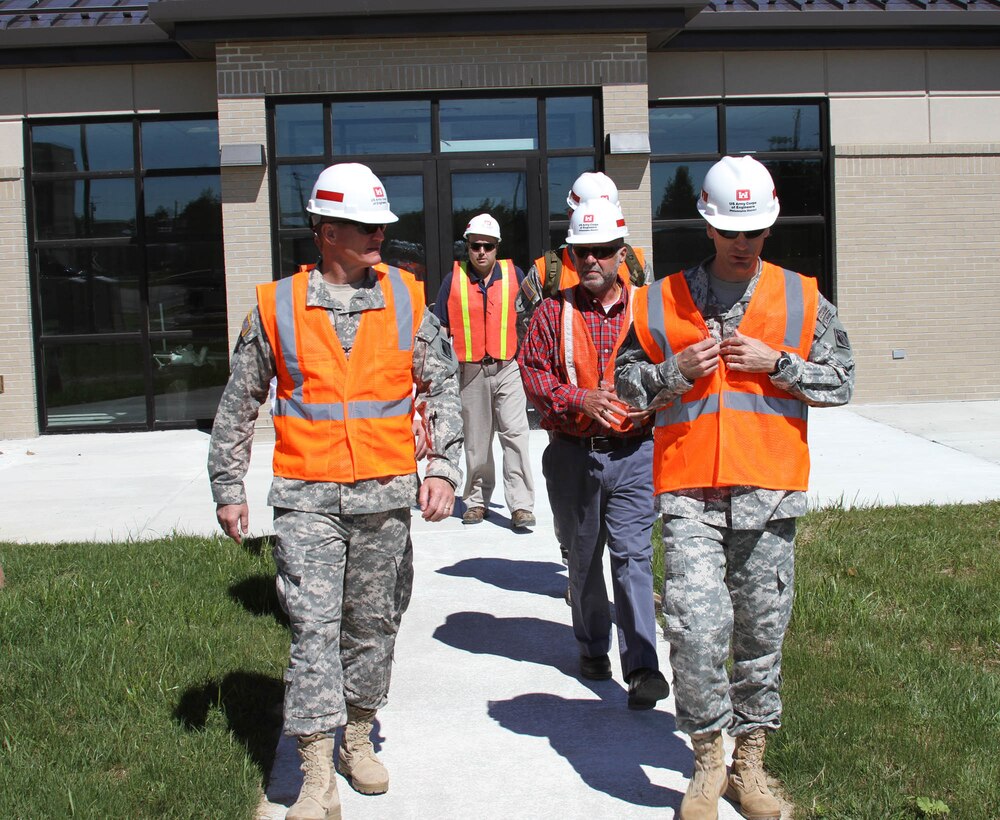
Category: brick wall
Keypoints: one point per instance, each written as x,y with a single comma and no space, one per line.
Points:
18,405
917,268
626,109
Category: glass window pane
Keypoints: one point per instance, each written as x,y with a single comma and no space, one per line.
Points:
676,249
94,385
569,122
298,130
104,146
180,144
188,376
772,128
800,248
187,287
295,184
502,195
187,206
405,240
296,251
394,127
675,189
84,208
563,172
800,186
684,130
89,290
557,236
489,125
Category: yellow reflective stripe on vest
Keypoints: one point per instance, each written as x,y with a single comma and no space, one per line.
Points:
506,271
466,319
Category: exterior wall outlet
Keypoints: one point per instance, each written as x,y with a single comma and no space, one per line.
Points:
898,353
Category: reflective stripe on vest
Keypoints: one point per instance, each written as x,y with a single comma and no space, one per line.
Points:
295,406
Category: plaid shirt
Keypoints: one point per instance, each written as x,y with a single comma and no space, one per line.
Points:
542,371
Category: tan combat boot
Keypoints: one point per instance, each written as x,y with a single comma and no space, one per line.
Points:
701,802
357,754
318,799
747,783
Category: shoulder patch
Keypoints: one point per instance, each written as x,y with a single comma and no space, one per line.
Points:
247,325
825,313
841,336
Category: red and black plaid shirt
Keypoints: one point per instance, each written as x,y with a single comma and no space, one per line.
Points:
542,369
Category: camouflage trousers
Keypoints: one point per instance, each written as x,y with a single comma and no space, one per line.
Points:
344,581
727,590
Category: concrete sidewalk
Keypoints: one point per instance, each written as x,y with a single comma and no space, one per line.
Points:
487,717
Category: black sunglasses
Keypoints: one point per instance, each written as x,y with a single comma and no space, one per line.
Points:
734,234
597,251
364,227
483,246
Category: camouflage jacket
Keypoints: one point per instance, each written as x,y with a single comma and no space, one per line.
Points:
253,367
826,379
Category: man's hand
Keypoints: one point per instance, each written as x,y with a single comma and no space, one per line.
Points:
748,354
600,405
234,520
437,499
699,359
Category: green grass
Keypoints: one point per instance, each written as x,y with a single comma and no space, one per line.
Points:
892,664
137,679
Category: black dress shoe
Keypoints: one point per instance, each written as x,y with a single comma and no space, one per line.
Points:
645,687
596,668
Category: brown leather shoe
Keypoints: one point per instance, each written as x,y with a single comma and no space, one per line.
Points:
474,515
522,519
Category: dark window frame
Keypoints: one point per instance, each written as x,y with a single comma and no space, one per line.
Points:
144,336
827,278
426,164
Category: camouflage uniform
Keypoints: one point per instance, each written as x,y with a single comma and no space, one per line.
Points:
342,550
729,551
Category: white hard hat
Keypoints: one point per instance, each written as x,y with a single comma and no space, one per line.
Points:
596,220
738,195
592,185
483,224
351,191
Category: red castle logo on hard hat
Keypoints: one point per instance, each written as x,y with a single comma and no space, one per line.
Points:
588,217
378,191
743,195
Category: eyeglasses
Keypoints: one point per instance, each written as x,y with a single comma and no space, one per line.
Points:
597,251
734,234
483,246
363,227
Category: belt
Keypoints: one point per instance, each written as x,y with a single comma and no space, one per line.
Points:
601,444
491,360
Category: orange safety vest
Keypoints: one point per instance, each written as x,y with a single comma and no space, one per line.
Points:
490,333
731,428
569,278
579,356
339,419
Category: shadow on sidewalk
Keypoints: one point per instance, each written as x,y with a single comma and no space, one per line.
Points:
537,577
605,743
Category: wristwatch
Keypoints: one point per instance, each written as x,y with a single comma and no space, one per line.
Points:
783,361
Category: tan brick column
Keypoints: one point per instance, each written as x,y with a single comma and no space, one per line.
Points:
626,108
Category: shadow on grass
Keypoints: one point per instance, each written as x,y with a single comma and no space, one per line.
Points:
258,596
252,705
258,545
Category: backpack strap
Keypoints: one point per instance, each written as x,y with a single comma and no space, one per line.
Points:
553,273
636,275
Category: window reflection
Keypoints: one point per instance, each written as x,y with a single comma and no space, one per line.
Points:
187,289
800,185
563,172
89,290
569,122
183,206
94,385
189,376
393,127
105,146
676,249
298,130
489,125
684,130
295,184
678,184
84,208
772,128
180,144
404,244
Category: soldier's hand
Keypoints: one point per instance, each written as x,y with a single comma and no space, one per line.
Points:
234,520
747,354
699,359
436,498
421,437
